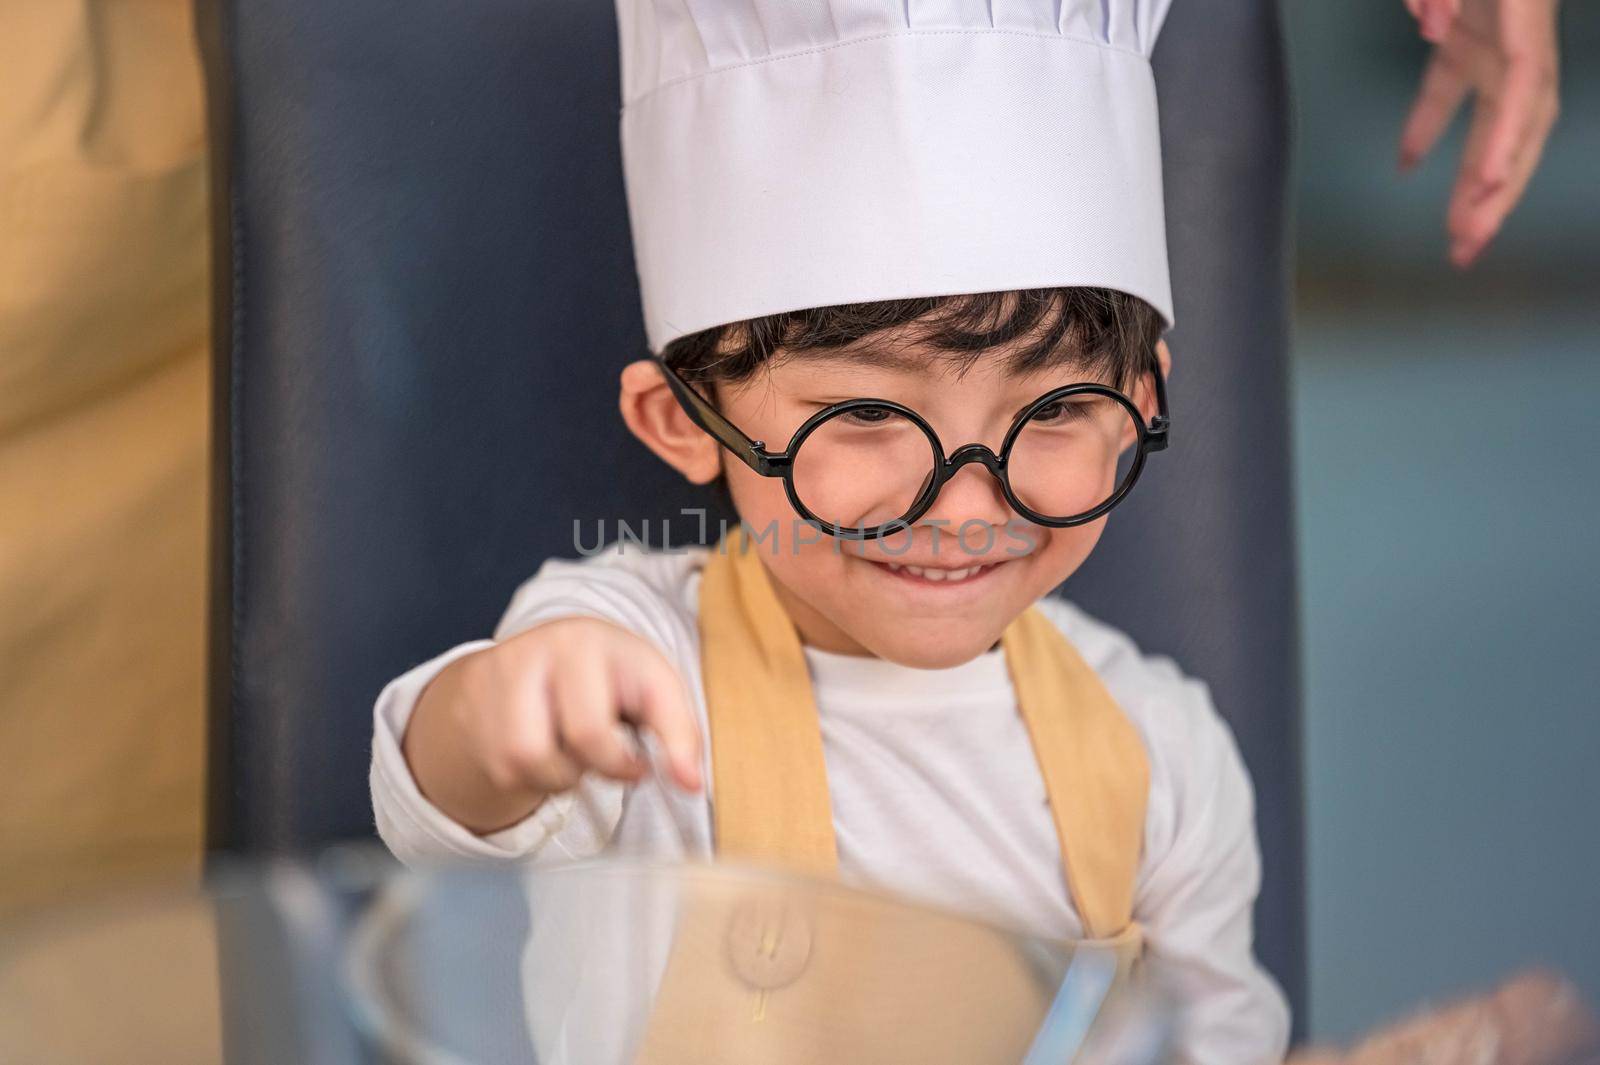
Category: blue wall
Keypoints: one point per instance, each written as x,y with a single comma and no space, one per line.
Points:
1448,459
1449,527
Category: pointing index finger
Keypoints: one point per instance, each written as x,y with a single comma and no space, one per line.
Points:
654,696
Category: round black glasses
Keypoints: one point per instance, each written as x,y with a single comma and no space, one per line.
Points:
864,468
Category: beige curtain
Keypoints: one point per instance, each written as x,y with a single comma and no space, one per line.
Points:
103,437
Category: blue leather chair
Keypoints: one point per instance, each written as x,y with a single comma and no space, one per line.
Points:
424,290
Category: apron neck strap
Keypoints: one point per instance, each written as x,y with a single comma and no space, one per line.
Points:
769,784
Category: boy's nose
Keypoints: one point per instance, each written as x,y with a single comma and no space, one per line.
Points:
973,493
976,453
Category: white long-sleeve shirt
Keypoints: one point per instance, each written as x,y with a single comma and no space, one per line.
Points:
935,789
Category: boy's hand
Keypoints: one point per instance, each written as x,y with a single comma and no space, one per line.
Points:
499,730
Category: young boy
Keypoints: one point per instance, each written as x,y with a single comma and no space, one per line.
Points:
904,273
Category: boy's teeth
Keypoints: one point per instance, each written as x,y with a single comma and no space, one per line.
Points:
937,574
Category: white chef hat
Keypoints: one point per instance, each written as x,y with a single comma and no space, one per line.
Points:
787,154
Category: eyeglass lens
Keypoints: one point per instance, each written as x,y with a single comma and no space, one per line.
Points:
1072,455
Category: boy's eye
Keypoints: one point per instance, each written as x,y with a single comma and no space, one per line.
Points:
1060,412
868,416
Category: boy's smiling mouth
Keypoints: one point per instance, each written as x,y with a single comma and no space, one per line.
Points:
943,579
938,574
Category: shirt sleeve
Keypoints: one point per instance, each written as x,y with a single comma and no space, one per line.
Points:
1197,897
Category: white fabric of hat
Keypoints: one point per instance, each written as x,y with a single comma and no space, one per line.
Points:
785,154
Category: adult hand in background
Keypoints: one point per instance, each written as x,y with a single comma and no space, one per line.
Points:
1503,53
1534,1018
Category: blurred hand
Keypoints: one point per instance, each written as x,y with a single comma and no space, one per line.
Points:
1503,53
499,730
1532,1019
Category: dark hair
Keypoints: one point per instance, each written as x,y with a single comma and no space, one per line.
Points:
1100,329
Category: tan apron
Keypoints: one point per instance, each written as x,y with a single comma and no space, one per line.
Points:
818,973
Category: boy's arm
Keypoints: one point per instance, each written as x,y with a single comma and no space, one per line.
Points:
631,590
1196,897
418,832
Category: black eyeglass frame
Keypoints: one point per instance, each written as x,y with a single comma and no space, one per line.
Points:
754,454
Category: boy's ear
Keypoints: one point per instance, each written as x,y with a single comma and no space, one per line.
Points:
1146,396
652,413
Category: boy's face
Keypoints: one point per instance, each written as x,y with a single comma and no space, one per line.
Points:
866,597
